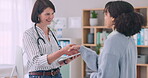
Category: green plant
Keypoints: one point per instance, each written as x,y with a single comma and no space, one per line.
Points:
98,48
94,14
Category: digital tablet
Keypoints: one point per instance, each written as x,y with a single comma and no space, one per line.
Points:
67,57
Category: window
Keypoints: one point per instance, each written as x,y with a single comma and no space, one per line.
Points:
15,19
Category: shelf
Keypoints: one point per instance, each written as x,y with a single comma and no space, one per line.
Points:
95,9
103,8
142,46
139,46
141,7
106,27
145,27
142,65
89,44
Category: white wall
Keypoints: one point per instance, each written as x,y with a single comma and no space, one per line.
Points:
73,8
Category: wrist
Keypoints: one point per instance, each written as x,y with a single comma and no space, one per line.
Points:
61,52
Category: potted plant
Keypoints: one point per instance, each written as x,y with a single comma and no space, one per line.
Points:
93,19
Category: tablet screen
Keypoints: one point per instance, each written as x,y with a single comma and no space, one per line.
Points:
67,57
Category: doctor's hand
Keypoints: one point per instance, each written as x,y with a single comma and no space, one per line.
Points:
70,59
74,48
67,61
66,51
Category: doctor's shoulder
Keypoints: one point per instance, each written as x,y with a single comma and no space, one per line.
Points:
30,32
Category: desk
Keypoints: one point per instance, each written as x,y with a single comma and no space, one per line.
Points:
6,69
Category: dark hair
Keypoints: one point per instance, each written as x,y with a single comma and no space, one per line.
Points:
126,21
39,7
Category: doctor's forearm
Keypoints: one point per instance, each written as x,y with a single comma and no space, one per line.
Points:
55,55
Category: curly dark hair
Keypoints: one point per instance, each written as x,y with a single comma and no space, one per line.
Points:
39,7
129,23
126,21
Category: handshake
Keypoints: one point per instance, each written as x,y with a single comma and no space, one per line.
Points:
70,49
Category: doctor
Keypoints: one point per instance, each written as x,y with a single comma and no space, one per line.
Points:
118,58
41,45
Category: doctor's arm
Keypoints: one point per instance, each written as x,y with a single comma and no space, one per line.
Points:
33,52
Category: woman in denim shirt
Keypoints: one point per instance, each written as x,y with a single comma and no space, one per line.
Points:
118,58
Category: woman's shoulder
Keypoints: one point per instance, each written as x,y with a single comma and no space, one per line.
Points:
115,44
116,37
118,42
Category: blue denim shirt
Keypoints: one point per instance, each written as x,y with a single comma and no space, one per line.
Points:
118,58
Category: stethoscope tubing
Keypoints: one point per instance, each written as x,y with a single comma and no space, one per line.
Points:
40,38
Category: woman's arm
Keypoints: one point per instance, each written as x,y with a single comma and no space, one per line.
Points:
88,55
109,60
108,67
106,64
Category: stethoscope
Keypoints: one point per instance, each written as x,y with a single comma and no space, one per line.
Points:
40,38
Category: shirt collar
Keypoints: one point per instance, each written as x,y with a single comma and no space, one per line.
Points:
40,30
